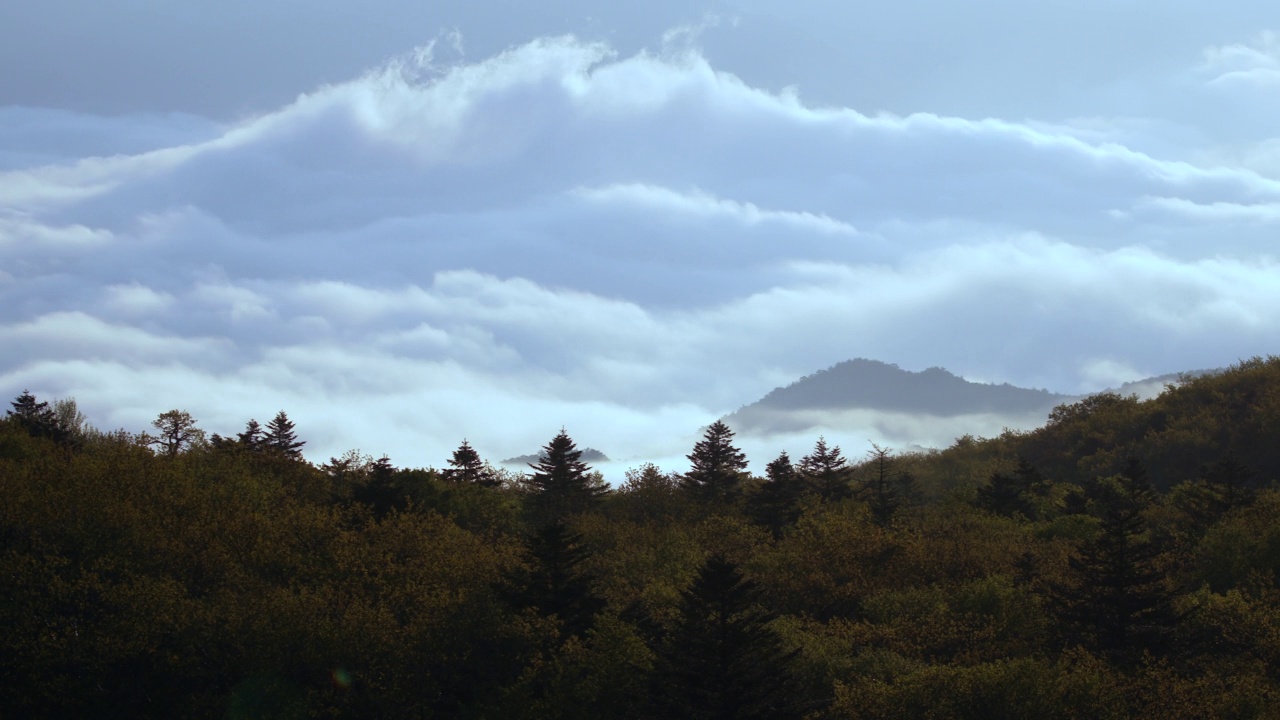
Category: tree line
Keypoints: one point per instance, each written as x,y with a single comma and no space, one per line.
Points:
1123,561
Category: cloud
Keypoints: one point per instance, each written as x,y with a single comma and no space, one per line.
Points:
628,245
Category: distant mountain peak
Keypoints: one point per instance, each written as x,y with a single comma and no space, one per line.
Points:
589,455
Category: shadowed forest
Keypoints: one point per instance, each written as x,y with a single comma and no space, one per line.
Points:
1123,561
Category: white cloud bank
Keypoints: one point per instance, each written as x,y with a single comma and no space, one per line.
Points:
628,246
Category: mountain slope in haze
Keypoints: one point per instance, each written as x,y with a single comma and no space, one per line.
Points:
589,455
874,385
871,385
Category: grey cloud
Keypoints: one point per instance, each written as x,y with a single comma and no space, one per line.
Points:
626,244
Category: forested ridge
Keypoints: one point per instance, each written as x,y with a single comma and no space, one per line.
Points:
1123,561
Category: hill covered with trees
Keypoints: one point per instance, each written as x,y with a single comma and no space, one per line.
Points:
1123,561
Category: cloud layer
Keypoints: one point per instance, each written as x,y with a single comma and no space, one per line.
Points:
627,245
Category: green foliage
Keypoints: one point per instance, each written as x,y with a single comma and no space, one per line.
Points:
1039,574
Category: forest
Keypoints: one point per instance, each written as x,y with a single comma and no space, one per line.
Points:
1122,561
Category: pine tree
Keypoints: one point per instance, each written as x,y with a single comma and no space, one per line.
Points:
827,472
777,504
722,660
178,432
467,467
718,467
280,437
561,483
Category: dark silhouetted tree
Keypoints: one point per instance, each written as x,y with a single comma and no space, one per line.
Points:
777,503
37,418
555,582
722,660
827,472
884,488
178,432
718,467
1118,601
1011,494
561,483
467,467
281,438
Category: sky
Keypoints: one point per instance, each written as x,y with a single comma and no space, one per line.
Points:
410,223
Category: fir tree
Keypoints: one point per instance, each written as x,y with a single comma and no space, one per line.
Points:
1011,495
280,437
561,483
252,438
1118,602
718,467
37,418
467,467
377,488
777,504
827,472
885,490
722,660
556,583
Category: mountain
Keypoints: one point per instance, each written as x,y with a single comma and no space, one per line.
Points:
871,386
589,455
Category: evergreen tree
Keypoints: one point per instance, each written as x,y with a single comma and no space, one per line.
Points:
827,472
37,418
252,438
178,432
1011,495
718,467
561,483
467,467
280,437
722,660
1118,602
556,582
884,489
777,504
377,488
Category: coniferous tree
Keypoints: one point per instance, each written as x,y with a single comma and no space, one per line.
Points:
37,418
1118,602
1011,495
178,432
885,489
718,467
281,438
467,467
561,483
777,504
722,660
252,438
556,582
827,472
